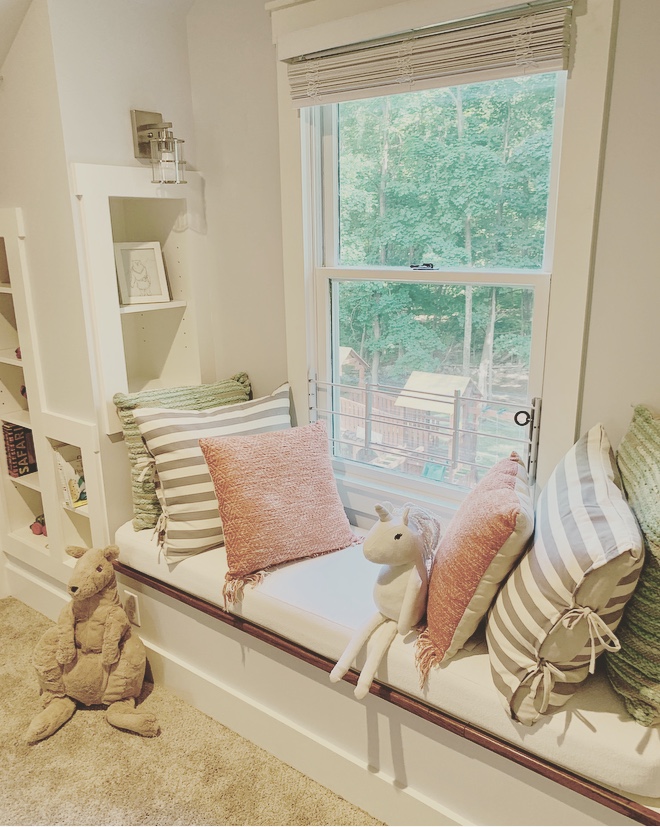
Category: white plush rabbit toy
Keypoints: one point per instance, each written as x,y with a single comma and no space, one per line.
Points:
404,546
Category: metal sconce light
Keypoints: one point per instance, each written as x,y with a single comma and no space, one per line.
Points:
153,140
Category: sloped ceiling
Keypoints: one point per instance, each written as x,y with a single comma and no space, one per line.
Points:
12,13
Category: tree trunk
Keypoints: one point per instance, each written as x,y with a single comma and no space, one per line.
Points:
467,331
384,166
375,361
486,363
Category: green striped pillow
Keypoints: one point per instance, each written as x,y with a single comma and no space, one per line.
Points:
634,672
561,606
146,508
190,522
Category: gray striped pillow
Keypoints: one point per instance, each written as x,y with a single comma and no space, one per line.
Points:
560,608
190,522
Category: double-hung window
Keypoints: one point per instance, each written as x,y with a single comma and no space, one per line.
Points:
431,219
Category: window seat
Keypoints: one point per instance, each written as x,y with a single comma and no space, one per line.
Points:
317,603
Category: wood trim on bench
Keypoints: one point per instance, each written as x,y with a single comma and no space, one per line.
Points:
614,801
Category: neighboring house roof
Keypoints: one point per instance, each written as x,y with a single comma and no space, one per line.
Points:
348,356
438,384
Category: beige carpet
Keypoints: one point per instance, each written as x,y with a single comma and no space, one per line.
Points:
195,772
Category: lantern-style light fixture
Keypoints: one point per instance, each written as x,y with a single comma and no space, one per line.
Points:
153,139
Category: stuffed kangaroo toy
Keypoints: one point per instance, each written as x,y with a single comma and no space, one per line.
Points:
91,655
404,545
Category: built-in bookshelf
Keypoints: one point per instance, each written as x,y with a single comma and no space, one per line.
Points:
147,345
124,346
36,523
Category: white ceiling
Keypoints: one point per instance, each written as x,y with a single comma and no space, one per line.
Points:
12,13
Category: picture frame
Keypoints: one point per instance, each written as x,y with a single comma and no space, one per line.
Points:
141,273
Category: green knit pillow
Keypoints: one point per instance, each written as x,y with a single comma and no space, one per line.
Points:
634,671
146,508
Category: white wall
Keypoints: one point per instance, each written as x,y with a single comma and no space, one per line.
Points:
232,66
34,176
112,57
624,334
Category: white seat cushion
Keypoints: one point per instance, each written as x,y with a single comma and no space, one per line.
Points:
319,602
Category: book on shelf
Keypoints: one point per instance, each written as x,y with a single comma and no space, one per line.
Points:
19,449
72,475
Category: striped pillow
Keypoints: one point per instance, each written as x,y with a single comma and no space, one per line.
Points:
559,609
146,508
190,522
634,672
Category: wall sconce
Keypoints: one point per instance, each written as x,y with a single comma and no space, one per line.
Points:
153,140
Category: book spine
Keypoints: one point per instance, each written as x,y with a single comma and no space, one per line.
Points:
12,435
61,470
25,460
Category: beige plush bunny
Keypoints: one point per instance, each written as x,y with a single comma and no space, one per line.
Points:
91,655
404,546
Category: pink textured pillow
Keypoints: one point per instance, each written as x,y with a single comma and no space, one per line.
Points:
480,547
278,500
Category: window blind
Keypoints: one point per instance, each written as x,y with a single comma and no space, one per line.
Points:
534,37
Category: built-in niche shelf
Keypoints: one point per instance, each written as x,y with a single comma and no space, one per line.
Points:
146,308
19,417
29,481
152,343
8,357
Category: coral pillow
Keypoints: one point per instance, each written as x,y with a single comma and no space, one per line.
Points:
478,550
278,500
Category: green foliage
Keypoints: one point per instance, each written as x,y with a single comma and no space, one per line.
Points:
456,176
405,326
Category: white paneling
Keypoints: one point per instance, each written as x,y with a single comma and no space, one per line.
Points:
114,57
34,177
12,13
624,334
235,107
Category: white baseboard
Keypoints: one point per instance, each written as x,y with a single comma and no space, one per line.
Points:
35,590
325,763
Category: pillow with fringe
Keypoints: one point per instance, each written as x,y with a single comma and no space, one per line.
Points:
480,547
278,501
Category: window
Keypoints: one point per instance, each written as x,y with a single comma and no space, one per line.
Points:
435,213
325,56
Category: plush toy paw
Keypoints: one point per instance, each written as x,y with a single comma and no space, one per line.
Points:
50,719
123,715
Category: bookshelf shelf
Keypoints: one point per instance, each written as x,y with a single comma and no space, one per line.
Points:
82,510
6,288
8,357
25,537
145,308
29,481
18,417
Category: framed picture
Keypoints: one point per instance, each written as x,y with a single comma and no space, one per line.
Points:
141,272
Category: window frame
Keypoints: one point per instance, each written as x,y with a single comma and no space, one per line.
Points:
582,154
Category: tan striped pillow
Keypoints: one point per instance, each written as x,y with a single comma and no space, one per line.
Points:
561,606
190,522
146,508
